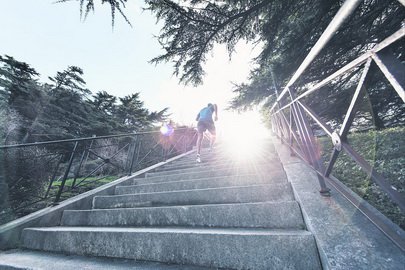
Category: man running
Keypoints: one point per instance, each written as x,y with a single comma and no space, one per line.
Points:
205,122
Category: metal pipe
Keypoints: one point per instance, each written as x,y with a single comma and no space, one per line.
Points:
397,197
133,155
325,127
351,110
78,168
53,176
358,61
316,118
345,10
79,140
292,136
65,176
313,157
331,163
300,130
390,77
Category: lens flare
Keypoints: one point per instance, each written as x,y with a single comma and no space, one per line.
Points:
166,130
244,134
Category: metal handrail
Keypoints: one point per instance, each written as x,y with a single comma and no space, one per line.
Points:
296,130
80,139
355,63
344,12
123,154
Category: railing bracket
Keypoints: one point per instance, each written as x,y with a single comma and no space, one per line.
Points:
325,192
337,143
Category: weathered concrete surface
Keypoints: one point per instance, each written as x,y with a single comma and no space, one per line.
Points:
251,193
268,173
36,260
221,158
227,248
345,237
203,183
257,225
234,167
10,233
206,172
272,215
214,160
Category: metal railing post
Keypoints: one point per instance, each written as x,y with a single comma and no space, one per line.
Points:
65,176
53,176
185,143
78,168
312,152
133,155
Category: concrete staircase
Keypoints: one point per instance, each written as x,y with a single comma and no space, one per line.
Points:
222,213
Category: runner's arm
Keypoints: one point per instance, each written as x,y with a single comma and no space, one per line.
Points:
216,112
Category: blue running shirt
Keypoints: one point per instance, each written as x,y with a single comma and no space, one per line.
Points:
206,114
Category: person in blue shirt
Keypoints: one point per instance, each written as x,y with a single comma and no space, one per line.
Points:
205,122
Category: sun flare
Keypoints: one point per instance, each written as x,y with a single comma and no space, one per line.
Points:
243,134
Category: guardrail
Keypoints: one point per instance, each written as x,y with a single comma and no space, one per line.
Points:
41,174
293,120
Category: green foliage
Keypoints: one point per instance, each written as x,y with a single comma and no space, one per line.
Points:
64,108
288,41
31,112
16,79
88,182
287,30
192,28
88,5
384,150
70,80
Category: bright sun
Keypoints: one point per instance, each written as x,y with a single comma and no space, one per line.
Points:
242,134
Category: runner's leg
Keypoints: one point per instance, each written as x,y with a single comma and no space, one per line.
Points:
213,133
199,140
200,128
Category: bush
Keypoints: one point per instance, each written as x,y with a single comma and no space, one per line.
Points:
384,150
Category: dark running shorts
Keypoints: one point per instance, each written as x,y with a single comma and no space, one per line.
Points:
202,126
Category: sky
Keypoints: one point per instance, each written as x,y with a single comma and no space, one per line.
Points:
50,37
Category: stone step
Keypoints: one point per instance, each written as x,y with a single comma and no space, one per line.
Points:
261,172
202,183
223,167
227,248
193,164
184,166
240,194
39,260
266,146
274,215
191,159
185,177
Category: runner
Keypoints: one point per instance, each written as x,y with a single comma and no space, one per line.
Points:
205,122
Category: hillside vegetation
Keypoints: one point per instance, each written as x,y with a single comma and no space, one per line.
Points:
384,150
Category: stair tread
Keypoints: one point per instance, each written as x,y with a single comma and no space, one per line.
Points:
177,230
198,175
197,190
150,179
224,213
183,180
185,205
285,214
29,259
234,194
